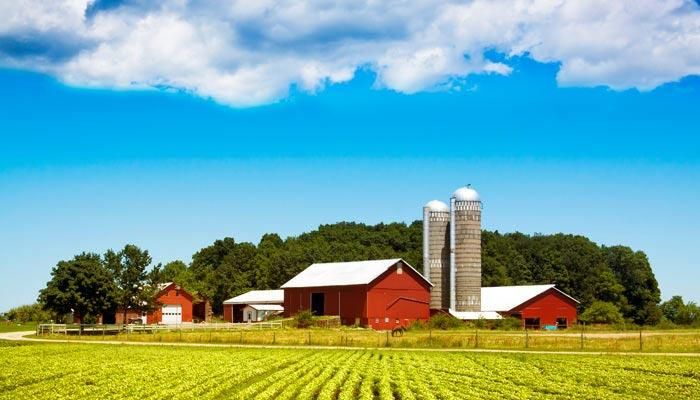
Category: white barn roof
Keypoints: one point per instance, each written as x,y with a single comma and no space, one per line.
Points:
472,315
258,297
344,273
505,298
266,307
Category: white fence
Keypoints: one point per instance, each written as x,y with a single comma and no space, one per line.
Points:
105,329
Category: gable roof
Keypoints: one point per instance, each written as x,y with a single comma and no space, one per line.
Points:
258,297
506,298
345,273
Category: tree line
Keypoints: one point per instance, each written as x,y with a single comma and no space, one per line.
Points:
616,275
91,285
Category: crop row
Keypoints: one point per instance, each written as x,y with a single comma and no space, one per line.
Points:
63,371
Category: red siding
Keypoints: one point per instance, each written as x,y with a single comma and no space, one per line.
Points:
171,296
346,301
233,312
548,306
390,298
397,299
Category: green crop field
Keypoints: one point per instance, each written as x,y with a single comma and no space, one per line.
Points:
687,341
61,371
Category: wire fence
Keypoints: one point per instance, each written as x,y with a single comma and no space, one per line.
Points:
274,333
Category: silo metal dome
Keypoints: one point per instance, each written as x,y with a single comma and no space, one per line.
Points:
466,193
437,205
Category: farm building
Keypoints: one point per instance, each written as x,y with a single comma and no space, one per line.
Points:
174,306
537,306
254,305
381,294
452,260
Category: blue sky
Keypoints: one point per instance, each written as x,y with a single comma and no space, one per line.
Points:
172,124
95,169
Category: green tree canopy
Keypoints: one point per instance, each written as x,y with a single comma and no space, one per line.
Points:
602,312
28,313
678,312
134,285
81,285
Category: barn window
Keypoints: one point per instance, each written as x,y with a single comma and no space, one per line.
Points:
386,320
399,269
562,323
532,323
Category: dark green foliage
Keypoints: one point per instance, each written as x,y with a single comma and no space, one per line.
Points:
304,319
444,321
577,266
226,268
588,272
135,286
601,312
508,324
28,313
81,285
680,313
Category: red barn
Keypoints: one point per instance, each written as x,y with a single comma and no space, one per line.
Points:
536,306
381,294
174,305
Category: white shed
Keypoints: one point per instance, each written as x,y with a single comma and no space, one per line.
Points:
258,312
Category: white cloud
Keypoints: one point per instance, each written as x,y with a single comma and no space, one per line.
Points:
246,53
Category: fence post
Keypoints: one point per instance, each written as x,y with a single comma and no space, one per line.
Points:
583,328
387,339
430,337
309,342
273,337
640,338
527,339
476,338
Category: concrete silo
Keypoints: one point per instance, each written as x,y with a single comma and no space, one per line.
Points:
465,250
436,252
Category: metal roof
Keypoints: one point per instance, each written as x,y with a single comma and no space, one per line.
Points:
466,193
471,315
505,298
266,307
437,205
258,297
344,273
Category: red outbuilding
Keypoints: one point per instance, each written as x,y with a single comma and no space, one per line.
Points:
537,306
381,294
174,305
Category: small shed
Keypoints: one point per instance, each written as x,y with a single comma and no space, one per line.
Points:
234,307
259,312
381,294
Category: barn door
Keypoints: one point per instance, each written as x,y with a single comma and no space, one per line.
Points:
317,303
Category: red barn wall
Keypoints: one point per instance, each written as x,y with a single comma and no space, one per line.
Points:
172,296
390,298
548,306
397,299
346,301
233,312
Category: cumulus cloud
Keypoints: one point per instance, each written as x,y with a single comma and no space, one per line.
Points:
247,53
